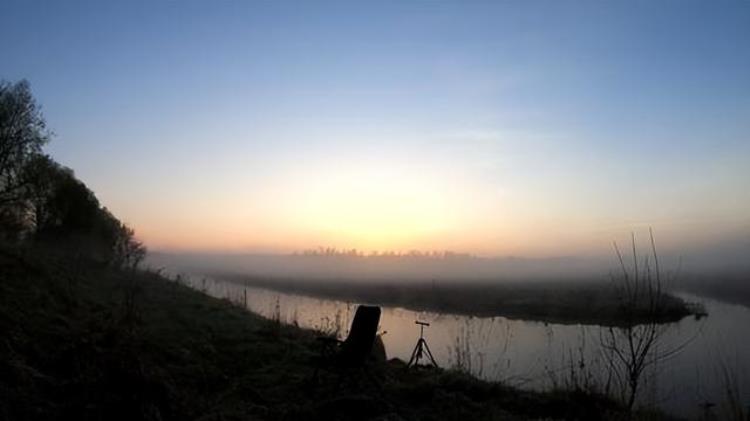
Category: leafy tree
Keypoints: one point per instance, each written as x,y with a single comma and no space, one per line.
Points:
22,134
127,251
42,173
71,209
43,201
64,209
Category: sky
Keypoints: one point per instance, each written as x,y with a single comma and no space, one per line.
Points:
526,128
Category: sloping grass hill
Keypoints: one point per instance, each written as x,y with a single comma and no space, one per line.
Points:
79,340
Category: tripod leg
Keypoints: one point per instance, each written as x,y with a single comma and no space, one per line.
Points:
429,354
422,347
414,355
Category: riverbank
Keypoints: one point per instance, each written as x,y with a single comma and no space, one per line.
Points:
569,302
89,342
732,287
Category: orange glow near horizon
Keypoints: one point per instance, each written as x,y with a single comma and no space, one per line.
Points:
377,207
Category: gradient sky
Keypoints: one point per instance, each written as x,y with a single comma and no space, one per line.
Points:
524,128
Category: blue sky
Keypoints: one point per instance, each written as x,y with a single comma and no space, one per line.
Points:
497,128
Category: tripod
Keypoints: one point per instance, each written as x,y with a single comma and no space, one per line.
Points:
421,349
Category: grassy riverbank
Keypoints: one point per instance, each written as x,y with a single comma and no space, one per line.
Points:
84,341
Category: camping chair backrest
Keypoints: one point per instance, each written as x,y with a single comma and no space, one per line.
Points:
358,345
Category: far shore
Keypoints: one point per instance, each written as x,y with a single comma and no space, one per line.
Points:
583,302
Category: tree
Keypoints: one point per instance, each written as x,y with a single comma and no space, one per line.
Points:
638,343
22,134
128,251
13,224
62,208
43,175
43,201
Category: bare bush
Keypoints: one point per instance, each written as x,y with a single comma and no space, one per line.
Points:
638,343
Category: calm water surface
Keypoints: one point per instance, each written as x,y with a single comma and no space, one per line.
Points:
536,355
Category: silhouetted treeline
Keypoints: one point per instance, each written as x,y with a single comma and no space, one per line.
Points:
414,254
41,201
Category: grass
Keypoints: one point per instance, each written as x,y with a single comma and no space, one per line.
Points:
83,341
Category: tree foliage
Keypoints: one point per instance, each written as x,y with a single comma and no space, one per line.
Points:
22,134
42,201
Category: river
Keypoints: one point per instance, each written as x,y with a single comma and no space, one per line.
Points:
714,350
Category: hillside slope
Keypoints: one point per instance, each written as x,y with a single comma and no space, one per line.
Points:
84,341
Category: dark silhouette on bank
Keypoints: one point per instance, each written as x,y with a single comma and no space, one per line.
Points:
348,358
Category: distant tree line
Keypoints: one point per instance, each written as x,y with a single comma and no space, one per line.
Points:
411,254
41,201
